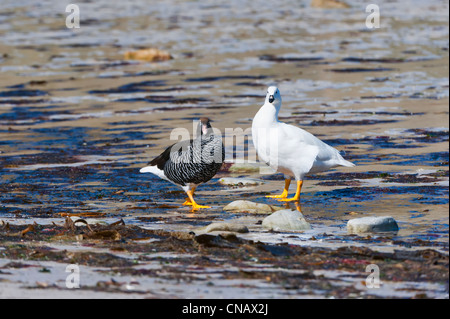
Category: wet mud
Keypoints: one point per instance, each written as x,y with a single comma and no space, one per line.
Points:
292,268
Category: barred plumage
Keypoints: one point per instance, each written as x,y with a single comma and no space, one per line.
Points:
195,162
190,163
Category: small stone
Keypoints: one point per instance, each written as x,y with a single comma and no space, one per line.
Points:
235,181
225,227
245,206
372,224
245,168
286,220
88,221
150,55
329,4
215,241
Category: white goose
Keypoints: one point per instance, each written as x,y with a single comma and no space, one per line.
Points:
289,149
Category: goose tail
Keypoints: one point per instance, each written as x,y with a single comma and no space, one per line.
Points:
154,170
346,163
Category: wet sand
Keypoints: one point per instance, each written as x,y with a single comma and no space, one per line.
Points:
77,121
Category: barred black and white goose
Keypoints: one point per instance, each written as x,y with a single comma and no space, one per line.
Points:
190,163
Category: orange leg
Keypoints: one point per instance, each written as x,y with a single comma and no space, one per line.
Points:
188,200
195,206
287,182
296,197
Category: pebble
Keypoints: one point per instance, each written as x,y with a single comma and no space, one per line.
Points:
245,168
286,220
372,224
150,54
245,206
235,181
329,4
90,221
225,227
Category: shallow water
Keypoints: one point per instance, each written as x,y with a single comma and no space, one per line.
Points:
77,121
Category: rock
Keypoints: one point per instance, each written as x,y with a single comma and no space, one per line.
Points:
150,55
87,221
372,224
286,220
245,206
244,168
217,241
235,181
225,227
329,4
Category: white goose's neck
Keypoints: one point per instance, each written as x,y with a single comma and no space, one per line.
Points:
267,115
